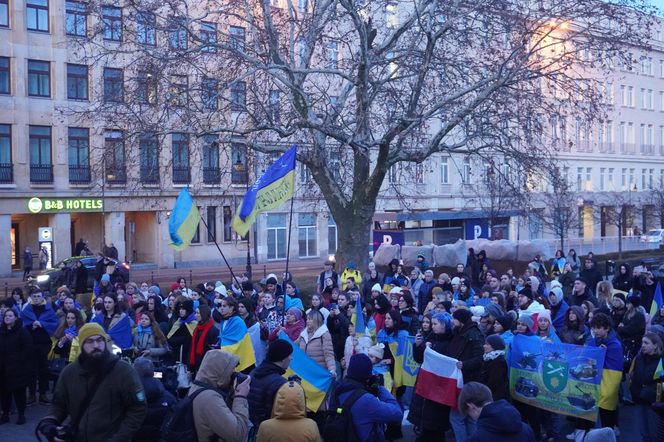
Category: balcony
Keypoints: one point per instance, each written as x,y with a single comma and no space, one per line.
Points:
41,173
239,177
150,175
79,174
181,175
6,173
211,175
607,147
647,149
627,148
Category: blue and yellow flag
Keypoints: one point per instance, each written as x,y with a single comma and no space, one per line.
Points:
657,301
183,222
316,380
358,319
659,371
405,367
235,338
270,191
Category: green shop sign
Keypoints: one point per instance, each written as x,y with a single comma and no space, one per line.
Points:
54,205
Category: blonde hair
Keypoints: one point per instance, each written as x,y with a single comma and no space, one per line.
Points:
316,318
604,291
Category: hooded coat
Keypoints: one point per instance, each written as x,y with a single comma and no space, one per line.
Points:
266,379
289,421
623,282
501,422
213,418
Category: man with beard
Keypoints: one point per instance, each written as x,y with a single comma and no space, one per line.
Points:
102,394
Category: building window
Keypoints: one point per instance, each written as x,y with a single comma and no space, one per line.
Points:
535,226
113,85
274,105
148,148
210,93
228,223
610,180
332,55
177,33
114,157
211,172
211,223
146,25
602,171
39,78
6,168
76,18
37,15
307,235
332,238
238,95
178,90
276,236
623,179
197,233
240,173
209,36
77,82
4,13
465,175
41,166
237,38
180,148
112,19
146,88
79,155
393,174
579,179
5,75
444,171
305,175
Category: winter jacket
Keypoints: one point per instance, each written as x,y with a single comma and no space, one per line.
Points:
558,313
159,402
337,325
356,344
622,282
643,387
494,376
411,318
587,295
289,421
467,346
146,341
424,294
318,347
501,422
574,335
117,410
213,418
370,413
266,379
15,355
592,277
631,332
567,281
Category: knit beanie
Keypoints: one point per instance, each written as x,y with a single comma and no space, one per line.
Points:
462,315
544,314
496,342
456,281
377,351
635,300
558,292
620,296
144,367
505,321
279,350
527,292
359,367
526,319
105,277
91,329
247,286
377,288
492,310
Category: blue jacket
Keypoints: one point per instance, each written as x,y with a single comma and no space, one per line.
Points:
370,412
559,320
501,422
424,294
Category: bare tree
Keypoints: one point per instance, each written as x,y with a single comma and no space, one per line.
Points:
655,199
618,209
362,86
559,201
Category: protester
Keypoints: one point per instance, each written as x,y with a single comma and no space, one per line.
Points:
494,367
181,334
316,342
65,338
159,402
220,411
631,329
204,337
643,385
574,331
15,359
496,421
102,395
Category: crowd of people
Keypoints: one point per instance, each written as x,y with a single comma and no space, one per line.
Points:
105,348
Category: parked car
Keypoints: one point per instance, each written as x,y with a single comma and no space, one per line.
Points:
654,235
49,279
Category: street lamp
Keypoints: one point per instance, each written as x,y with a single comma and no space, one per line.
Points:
239,168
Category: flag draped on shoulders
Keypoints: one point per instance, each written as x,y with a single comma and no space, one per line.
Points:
234,338
119,331
183,222
48,319
439,379
270,191
405,367
316,380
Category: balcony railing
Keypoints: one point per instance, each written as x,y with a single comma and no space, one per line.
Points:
607,147
6,173
647,149
627,148
41,173
79,174
149,175
181,175
116,175
211,175
239,177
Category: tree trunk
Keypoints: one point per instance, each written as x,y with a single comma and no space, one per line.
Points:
353,231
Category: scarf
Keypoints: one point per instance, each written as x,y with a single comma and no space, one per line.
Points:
144,330
187,320
198,341
71,331
493,355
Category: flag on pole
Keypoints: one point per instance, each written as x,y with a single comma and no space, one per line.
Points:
659,371
184,220
439,380
657,301
270,191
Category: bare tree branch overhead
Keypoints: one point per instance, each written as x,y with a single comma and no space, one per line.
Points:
361,86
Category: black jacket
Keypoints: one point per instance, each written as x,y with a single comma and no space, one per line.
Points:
338,327
592,277
467,346
643,387
159,402
501,422
494,376
15,356
411,319
631,333
266,379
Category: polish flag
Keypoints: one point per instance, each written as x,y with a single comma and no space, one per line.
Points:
439,379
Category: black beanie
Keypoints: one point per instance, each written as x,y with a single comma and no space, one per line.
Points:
505,321
247,286
271,280
496,342
278,350
527,292
359,367
635,300
462,315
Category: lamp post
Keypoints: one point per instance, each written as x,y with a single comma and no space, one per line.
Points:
239,167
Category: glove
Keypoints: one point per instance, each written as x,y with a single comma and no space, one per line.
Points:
48,427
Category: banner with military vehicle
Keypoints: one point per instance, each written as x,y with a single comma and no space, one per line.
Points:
561,378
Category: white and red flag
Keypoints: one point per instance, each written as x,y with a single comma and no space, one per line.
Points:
439,379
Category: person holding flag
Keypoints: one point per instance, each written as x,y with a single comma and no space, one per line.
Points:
643,386
233,335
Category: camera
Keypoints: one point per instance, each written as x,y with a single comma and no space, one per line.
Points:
376,379
238,378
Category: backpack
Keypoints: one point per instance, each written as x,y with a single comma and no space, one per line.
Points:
338,426
180,426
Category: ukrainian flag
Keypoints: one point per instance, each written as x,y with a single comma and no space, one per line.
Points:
405,367
611,374
183,222
656,300
234,338
316,380
659,371
358,319
270,191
